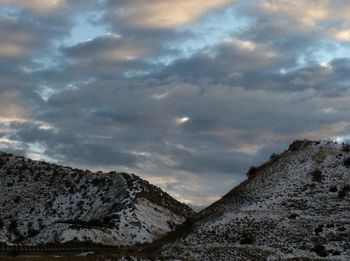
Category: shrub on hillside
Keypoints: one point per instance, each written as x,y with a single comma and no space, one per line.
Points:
13,228
320,250
247,239
273,156
17,199
333,189
299,144
346,147
251,171
316,175
2,162
344,191
347,162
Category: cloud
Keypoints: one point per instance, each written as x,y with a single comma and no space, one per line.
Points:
204,116
308,12
132,117
109,47
10,107
40,6
55,143
135,99
22,36
160,14
229,129
321,17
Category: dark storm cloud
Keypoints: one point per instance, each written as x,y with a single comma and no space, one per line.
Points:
107,47
107,56
132,118
78,149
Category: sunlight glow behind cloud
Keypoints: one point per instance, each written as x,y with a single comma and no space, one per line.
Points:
182,120
163,14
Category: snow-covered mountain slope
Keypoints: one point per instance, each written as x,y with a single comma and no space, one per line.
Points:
297,205
44,203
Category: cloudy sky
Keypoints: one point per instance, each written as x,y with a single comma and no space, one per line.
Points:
186,94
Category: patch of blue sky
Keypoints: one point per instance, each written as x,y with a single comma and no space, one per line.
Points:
301,61
45,92
325,54
37,150
338,50
205,33
8,10
85,28
136,73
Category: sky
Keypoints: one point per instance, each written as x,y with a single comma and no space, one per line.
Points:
186,94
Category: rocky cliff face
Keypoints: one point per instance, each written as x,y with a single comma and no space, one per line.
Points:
297,205
43,203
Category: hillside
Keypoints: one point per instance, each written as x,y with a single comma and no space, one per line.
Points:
297,205
43,203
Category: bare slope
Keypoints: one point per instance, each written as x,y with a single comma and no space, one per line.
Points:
44,203
295,206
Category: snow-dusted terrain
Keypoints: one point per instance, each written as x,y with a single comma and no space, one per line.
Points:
297,205
43,203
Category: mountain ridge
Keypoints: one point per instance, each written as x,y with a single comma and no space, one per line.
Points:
46,203
295,206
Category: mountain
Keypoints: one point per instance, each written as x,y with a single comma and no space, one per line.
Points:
43,203
296,206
